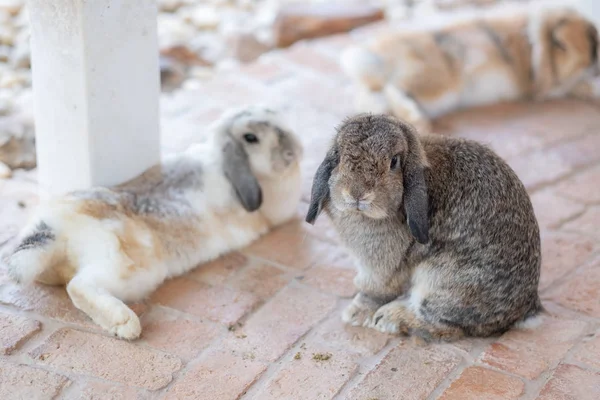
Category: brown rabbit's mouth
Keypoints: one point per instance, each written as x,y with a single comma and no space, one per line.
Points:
366,208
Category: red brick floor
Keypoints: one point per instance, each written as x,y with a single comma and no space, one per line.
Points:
249,326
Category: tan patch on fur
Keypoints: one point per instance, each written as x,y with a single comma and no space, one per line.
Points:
142,255
60,269
575,33
67,271
60,273
255,222
99,209
568,29
418,65
428,64
151,175
513,36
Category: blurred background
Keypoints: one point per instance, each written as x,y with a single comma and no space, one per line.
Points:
197,38
217,54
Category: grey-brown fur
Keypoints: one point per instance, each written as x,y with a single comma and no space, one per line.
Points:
474,269
160,195
160,191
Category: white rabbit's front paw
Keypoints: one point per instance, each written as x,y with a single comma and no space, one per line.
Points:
126,325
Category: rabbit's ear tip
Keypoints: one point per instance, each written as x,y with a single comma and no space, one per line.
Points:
422,239
311,215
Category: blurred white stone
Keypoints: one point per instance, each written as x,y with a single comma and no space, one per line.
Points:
202,73
191,84
21,56
170,5
21,20
227,64
173,31
17,141
222,2
6,105
246,4
5,17
172,74
209,45
22,34
14,79
5,171
7,34
246,47
5,52
202,16
12,6
23,100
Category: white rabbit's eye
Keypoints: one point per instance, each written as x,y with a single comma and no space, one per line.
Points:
250,138
394,162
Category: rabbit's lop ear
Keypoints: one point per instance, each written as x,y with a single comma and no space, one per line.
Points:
237,170
416,203
320,188
593,38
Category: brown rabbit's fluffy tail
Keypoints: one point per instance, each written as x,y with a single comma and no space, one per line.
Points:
533,318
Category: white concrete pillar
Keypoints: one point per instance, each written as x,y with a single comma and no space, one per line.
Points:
96,89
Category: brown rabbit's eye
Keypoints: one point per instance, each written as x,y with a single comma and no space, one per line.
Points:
250,138
394,162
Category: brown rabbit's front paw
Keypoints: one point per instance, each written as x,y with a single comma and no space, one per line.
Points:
357,315
392,318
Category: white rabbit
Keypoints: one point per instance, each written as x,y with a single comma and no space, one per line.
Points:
115,245
420,75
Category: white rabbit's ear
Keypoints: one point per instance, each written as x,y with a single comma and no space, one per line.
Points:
320,188
237,170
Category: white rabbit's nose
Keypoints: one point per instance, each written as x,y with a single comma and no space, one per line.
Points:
288,155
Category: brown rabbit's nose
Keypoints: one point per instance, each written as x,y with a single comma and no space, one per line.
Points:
358,199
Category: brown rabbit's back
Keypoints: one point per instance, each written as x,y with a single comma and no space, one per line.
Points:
484,255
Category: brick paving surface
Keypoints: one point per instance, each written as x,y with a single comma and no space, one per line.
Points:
264,323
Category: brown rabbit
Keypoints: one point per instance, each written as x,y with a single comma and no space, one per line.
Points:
442,230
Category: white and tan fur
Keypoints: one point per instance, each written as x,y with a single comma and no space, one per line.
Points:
518,55
117,245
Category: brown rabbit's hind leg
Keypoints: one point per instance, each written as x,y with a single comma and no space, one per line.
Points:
397,318
103,308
